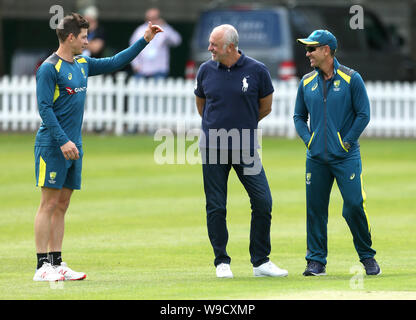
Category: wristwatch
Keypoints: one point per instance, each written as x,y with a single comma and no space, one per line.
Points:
346,145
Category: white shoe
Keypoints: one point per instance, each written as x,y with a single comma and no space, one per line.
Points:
47,273
68,273
269,269
224,271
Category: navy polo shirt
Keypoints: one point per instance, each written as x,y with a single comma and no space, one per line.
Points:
231,101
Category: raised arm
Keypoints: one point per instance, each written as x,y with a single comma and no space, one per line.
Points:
121,59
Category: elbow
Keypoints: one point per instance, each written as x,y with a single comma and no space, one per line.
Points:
43,112
264,113
298,118
366,119
268,111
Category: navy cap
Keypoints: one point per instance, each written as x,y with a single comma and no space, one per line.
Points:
320,38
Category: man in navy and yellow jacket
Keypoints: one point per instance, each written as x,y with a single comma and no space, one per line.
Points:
335,99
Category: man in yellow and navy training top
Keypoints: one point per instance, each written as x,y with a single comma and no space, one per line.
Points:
61,88
335,99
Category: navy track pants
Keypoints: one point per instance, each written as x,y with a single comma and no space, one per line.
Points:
319,180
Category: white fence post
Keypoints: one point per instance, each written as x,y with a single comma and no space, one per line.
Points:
4,105
119,110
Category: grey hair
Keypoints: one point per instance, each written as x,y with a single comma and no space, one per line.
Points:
230,35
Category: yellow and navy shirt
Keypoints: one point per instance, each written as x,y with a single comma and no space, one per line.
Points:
61,88
339,110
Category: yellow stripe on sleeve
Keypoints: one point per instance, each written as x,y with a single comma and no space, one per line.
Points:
307,80
56,94
340,141
310,140
58,65
344,76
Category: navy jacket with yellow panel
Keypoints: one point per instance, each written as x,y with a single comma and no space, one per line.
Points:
61,88
339,110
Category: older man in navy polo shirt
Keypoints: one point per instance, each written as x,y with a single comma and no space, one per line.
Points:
233,93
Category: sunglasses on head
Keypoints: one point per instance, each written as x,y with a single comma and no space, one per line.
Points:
312,49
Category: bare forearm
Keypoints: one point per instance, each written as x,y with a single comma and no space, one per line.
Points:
200,104
265,106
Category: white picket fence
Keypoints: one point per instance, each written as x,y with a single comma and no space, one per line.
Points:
124,105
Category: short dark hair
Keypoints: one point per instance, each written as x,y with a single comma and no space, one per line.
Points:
72,23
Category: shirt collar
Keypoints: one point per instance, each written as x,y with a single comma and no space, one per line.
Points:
336,66
239,62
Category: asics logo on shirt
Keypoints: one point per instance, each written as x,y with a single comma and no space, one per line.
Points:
69,90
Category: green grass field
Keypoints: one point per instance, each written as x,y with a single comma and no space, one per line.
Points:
138,229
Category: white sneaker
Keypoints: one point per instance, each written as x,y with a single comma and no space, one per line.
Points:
224,271
47,273
269,269
68,273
